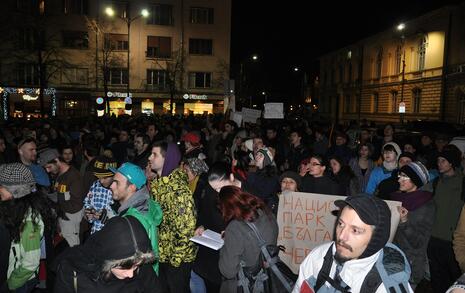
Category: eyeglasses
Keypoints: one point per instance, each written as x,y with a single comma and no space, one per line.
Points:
403,177
315,164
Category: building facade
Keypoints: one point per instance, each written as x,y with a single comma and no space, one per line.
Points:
133,56
402,74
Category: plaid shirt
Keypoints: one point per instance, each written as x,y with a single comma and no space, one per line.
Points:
98,198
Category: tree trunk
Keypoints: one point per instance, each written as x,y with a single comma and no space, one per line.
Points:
41,68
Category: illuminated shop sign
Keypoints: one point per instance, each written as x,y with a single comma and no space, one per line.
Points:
195,97
118,94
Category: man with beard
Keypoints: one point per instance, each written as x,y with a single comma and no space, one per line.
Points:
360,259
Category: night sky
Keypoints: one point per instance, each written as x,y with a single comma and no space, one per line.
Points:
296,33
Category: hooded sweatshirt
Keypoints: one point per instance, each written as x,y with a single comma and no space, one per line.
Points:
82,268
149,214
172,191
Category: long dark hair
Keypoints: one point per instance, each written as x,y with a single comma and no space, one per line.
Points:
14,212
236,204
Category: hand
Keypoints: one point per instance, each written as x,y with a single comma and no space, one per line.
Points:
90,214
149,173
199,231
403,214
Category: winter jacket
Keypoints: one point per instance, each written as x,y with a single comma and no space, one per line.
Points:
241,244
353,272
25,255
459,241
179,221
362,178
4,256
448,200
81,269
321,185
377,175
413,236
149,214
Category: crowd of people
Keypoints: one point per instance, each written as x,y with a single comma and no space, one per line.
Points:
110,204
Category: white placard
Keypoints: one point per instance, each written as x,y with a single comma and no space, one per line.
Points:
250,115
237,117
274,111
306,220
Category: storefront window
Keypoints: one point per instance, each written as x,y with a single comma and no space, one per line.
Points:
117,107
198,108
147,107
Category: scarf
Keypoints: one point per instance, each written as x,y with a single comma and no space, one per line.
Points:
412,200
389,166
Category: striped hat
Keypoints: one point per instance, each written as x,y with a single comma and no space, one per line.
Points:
417,172
17,179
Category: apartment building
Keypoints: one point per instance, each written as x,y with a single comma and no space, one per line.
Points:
83,53
415,71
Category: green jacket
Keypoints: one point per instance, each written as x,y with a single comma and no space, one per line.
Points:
179,220
25,254
149,214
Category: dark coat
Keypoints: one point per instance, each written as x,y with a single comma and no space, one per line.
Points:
322,185
413,236
241,244
4,256
208,216
86,262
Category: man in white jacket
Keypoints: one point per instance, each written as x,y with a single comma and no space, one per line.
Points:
360,259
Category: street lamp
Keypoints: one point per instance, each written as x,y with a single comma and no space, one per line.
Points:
143,13
401,28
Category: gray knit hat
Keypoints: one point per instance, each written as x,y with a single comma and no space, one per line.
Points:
417,172
197,166
17,179
46,156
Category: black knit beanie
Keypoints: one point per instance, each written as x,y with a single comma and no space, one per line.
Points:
372,211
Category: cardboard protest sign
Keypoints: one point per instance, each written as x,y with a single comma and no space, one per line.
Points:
274,111
250,115
306,220
237,117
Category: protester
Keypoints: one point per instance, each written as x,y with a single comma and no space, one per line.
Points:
97,203
344,176
448,198
69,192
362,165
298,151
391,184
130,191
290,181
416,217
27,217
193,146
317,181
265,179
240,243
358,255
391,153
142,148
117,259
171,190
27,151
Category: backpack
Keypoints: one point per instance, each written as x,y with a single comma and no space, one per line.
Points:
391,269
270,274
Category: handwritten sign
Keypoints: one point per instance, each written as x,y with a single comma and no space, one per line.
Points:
306,220
237,117
250,115
274,111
